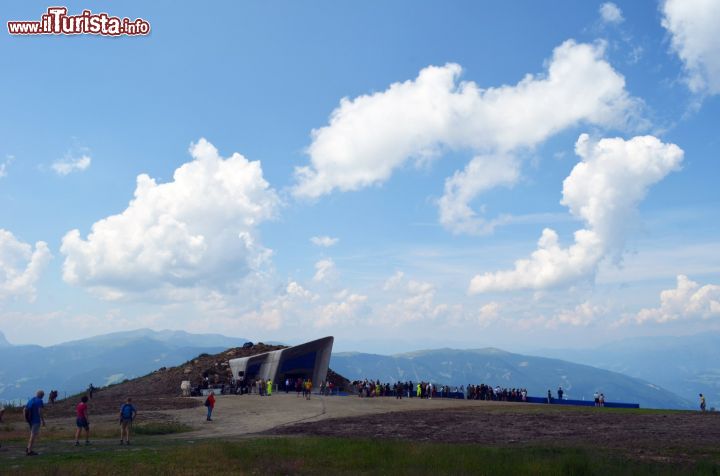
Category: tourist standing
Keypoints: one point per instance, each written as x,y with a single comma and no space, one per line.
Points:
702,402
127,416
210,404
81,421
35,418
269,387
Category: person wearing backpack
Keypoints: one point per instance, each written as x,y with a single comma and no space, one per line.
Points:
34,418
127,415
210,404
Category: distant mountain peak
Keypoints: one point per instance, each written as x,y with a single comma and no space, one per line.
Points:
3,341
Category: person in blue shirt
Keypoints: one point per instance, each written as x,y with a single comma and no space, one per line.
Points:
34,417
127,415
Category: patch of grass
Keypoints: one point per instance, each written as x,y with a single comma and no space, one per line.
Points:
346,456
161,428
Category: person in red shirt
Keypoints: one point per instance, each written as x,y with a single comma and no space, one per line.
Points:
210,404
82,421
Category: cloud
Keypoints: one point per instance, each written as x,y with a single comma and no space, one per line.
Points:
693,26
344,309
199,230
581,315
324,241
20,266
480,174
69,165
324,270
488,314
393,281
410,301
603,190
371,136
4,165
274,313
611,13
688,300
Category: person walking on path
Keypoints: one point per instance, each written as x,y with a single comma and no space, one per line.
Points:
702,402
308,389
269,387
34,418
210,404
81,421
127,416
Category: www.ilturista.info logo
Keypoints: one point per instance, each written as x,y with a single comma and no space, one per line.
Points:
57,22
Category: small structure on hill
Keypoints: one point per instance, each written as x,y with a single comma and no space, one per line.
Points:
309,360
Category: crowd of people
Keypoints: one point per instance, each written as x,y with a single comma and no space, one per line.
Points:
259,386
488,392
374,388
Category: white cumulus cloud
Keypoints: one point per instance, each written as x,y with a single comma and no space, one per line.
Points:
5,164
611,13
693,26
412,301
488,314
603,190
200,229
324,270
324,241
581,315
370,136
688,300
345,309
20,266
393,281
69,165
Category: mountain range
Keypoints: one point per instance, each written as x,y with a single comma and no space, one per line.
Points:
71,366
686,365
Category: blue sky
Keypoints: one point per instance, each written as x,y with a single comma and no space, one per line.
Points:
457,140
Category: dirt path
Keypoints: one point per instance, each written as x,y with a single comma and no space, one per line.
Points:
250,414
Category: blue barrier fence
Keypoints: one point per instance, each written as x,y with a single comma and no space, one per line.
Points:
581,403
